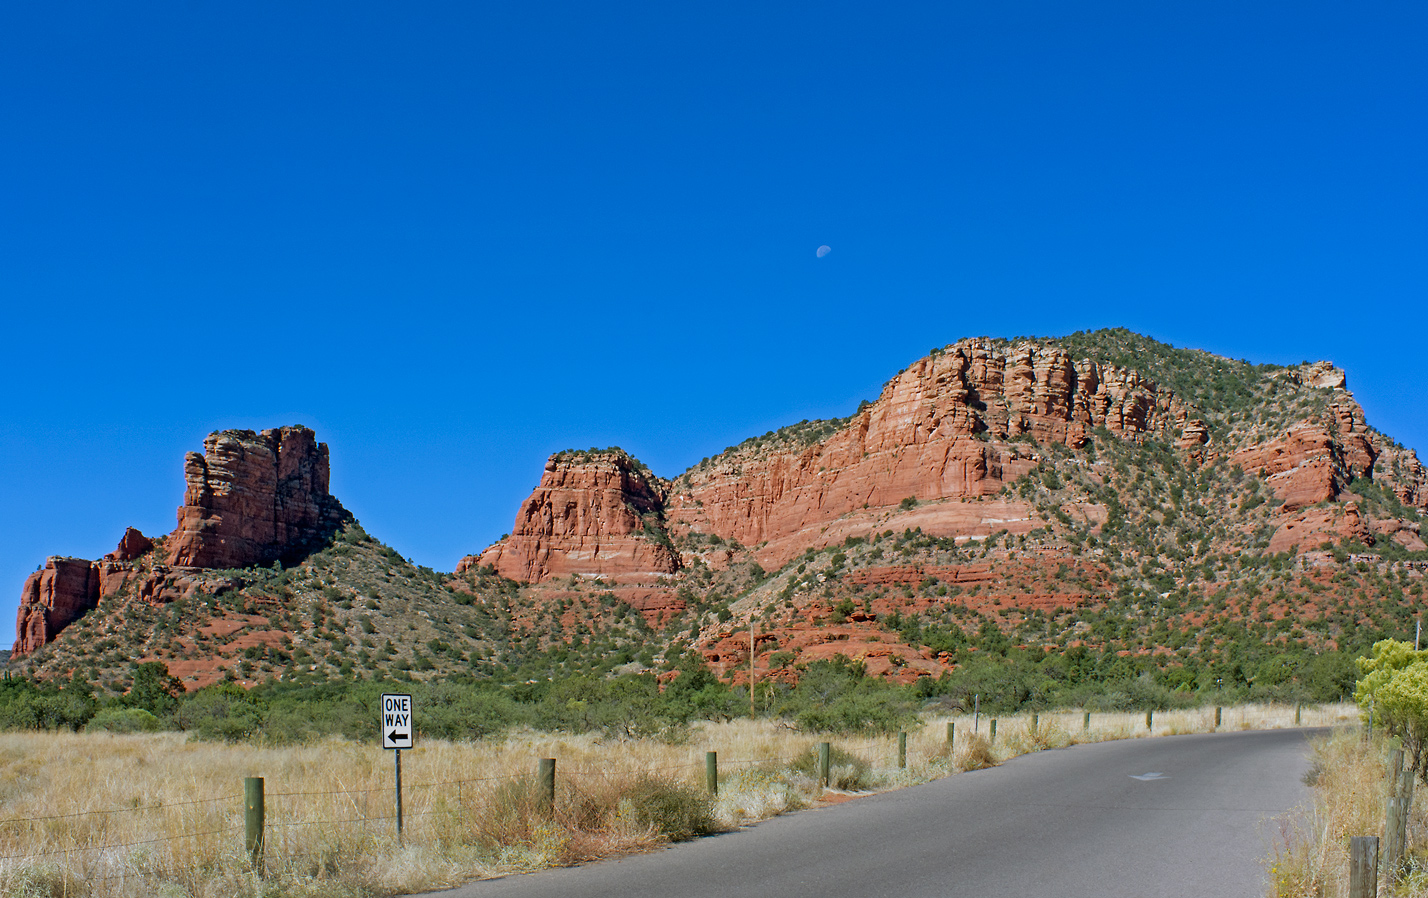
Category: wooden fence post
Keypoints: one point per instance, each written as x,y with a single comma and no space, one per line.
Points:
823,753
1035,719
1298,713
1405,808
1086,721
1149,719
545,791
901,750
1395,827
1363,867
1218,709
711,771
993,732
951,734
1392,849
253,813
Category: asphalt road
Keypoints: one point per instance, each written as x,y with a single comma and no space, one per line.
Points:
1178,816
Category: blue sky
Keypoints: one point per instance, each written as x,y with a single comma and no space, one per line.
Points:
456,238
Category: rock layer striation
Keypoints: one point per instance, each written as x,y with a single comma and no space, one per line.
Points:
251,498
597,513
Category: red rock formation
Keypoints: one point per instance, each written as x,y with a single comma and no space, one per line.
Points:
929,436
1312,527
253,498
1403,473
52,599
593,513
949,427
1299,466
1406,533
132,545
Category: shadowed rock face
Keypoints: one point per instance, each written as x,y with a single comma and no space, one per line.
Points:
254,498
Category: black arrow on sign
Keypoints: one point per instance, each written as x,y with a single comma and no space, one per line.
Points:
394,736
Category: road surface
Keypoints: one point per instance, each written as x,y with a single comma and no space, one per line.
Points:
1178,817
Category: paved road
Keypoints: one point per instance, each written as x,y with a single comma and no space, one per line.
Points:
1180,817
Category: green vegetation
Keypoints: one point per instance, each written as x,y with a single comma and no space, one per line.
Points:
1140,577
1394,689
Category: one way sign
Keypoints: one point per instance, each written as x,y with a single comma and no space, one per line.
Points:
397,731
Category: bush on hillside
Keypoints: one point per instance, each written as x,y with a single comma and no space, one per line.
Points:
123,720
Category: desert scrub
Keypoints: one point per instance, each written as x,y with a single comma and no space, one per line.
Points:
671,809
976,754
1047,734
1311,856
757,793
845,770
107,814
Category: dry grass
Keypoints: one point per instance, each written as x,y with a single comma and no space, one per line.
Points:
1349,776
154,814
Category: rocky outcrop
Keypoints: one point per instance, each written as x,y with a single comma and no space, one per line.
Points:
955,425
1401,471
1312,527
1407,534
254,498
132,545
959,424
53,598
594,513
1301,467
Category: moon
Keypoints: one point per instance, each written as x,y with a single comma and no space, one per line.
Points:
823,251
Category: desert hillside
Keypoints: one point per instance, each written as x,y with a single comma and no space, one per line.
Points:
1104,499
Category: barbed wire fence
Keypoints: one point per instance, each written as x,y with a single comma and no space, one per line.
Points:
124,851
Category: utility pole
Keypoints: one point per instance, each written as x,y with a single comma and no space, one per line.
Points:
751,668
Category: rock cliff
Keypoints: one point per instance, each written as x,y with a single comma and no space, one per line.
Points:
598,513
251,498
935,451
254,498
52,599
961,423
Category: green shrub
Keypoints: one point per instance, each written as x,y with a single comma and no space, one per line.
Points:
220,712
124,720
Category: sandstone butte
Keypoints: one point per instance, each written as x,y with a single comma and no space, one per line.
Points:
250,498
948,427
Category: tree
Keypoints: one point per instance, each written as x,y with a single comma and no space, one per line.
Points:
1395,687
154,690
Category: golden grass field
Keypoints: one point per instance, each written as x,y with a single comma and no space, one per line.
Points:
157,814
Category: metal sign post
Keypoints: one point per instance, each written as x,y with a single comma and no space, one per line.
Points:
397,734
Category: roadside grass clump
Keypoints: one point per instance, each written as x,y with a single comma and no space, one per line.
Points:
1047,734
671,809
976,754
846,771
758,793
